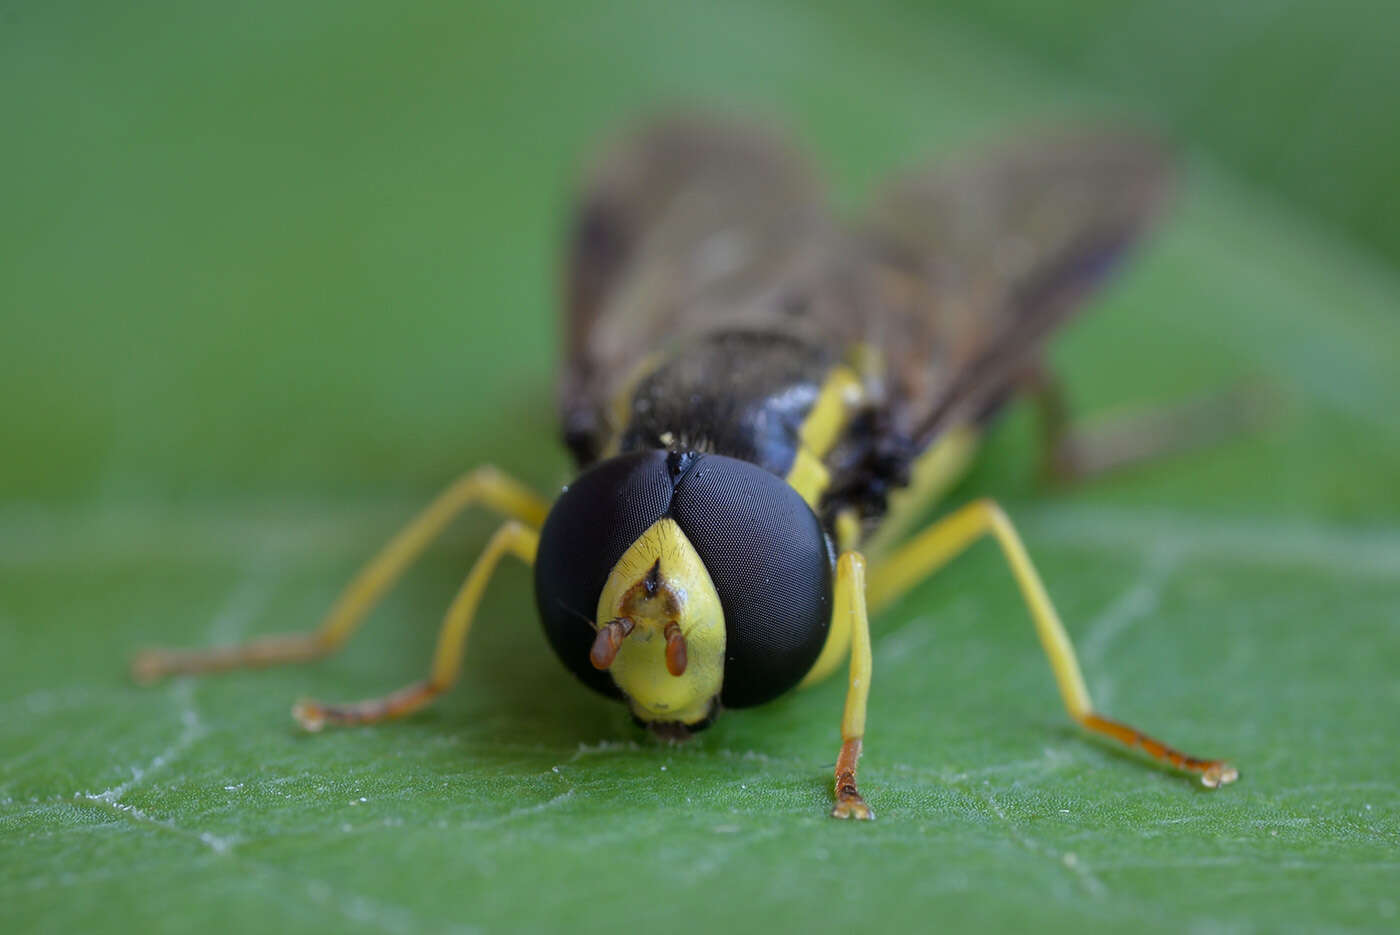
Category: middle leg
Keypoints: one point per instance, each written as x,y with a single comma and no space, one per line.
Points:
850,603
948,538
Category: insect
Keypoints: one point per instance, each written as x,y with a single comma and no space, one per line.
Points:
762,401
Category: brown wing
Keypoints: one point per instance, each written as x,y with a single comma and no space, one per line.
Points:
689,226
978,263
958,275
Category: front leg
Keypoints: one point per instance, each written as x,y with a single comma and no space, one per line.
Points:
849,612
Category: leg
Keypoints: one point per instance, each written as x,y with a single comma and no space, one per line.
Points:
947,538
838,638
850,603
485,485
513,538
1071,453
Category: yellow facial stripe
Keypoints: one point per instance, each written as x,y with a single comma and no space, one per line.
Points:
687,596
840,395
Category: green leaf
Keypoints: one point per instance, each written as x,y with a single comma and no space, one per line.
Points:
272,275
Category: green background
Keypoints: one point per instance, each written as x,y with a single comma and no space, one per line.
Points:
271,276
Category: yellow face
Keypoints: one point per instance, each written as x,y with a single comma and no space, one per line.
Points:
662,615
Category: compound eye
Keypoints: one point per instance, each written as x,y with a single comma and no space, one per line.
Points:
771,564
592,523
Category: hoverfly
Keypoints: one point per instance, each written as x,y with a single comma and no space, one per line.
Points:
760,399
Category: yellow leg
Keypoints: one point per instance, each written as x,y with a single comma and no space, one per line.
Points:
838,642
512,538
838,638
486,486
944,540
850,605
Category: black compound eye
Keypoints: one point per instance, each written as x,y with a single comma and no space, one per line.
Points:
767,554
592,523
762,545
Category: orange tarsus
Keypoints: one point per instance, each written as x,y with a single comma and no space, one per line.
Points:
153,664
1213,772
312,715
849,802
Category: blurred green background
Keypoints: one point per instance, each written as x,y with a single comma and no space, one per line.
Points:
271,275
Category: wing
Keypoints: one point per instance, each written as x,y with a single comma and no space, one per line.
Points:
956,276
688,226
977,264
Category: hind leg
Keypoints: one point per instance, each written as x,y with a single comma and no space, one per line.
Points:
485,486
1073,450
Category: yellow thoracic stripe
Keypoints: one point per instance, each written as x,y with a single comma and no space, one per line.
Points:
840,395
620,405
809,477
640,667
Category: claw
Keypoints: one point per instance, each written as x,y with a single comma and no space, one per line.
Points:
310,715
849,803
852,807
148,667
1219,774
